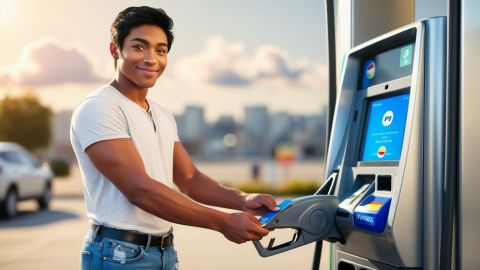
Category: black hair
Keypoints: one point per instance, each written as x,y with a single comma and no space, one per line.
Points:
136,16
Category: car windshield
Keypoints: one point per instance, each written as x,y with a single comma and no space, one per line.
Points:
10,156
18,158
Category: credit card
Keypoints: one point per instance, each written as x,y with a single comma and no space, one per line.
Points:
271,214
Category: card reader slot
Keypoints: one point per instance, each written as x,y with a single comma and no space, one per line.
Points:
361,187
343,214
384,183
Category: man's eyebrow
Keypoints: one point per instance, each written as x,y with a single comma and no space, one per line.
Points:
145,42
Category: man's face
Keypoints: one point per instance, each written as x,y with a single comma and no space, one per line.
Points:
144,55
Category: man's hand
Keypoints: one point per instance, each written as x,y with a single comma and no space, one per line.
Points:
242,227
259,204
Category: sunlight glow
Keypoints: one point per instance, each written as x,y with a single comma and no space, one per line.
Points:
7,11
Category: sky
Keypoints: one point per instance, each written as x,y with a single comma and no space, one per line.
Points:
226,54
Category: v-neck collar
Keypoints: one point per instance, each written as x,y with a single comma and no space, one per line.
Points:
149,110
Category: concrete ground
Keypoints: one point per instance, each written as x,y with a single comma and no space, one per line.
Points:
52,239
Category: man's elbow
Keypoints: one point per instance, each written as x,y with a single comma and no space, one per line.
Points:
183,189
135,197
138,194
188,183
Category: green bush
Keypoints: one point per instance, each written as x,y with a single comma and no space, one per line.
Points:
26,121
255,187
298,187
60,168
293,187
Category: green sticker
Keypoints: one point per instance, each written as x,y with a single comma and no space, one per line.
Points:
406,56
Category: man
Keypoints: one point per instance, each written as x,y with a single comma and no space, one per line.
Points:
130,156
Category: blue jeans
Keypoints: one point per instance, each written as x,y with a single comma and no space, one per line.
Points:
106,253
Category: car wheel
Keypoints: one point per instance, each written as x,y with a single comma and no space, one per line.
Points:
9,207
44,201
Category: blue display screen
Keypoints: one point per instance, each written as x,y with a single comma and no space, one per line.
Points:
385,127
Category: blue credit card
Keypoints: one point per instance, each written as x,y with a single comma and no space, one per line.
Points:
268,216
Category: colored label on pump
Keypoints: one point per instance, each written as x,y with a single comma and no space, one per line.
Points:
387,118
406,56
372,213
271,214
381,151
368,74
370,70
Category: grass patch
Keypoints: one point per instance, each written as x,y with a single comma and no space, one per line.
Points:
292,187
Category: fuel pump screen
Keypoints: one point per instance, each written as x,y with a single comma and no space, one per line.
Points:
385,127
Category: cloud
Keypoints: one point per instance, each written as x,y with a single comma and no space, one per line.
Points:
217,63
228,65
271,62
51,62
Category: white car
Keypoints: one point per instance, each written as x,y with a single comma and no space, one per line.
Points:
22,177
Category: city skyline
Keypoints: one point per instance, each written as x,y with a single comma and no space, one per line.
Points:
211,139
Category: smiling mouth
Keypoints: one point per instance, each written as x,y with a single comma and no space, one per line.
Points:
149,70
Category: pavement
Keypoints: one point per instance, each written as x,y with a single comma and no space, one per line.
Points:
52,239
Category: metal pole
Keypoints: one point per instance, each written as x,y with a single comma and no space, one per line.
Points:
332,95
452,156
332,66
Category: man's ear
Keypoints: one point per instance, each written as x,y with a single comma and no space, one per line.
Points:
114,51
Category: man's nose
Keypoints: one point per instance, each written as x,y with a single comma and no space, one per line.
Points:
150,57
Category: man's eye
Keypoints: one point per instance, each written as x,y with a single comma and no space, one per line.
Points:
137,47
162,51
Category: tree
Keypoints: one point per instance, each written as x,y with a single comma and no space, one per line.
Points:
26,121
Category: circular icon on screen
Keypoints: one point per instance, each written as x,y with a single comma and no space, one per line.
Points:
381,151
387,118
370,69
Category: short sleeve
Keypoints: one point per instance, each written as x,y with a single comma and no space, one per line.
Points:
174,127
98,120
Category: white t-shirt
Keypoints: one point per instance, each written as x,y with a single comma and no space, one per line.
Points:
106,114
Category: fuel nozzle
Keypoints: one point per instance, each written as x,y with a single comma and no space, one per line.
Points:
312,218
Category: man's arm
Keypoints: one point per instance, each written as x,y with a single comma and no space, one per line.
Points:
120,162
203,189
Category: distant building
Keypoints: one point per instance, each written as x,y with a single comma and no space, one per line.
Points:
256,128
315,126
223,126
193,129
299,135
222,138
280,129
180,125
193,124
